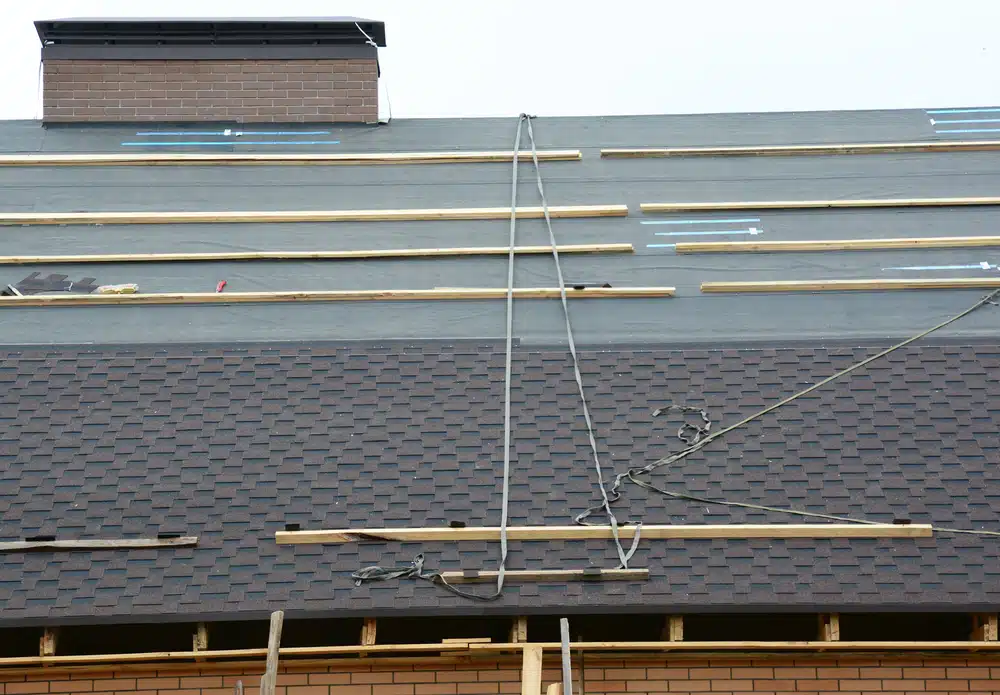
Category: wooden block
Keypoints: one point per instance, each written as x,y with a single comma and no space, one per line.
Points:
97,544
519,630
829,627
313,255
368,632
673,628
332,296
521,576
288,216
200,641
805,150
580,532
48,641
554,689
984,627
270,159
875,285
531,670
836,244
814,204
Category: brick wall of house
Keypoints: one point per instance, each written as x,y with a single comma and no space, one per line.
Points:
242,91
439,676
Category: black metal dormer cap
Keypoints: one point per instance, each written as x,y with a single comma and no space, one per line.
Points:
89,38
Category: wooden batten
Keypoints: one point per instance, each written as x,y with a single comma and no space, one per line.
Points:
673,628
48,642
985,627
272,159
519,630
96,543
290,216
531,670
829,627
817,204
804,150
807,245
862,285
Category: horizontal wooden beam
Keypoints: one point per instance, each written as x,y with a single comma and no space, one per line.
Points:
581,532
875,285
895,244
349,255
804,150
813,204
270,159
331,296
258,654
98,544
273,216
520,576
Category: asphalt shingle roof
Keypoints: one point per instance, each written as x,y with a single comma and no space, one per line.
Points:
231,443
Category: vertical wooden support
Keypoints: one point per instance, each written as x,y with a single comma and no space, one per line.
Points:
270,677
567,665
984,628
531,670
673,628
47,643
554,689
519,630
368,632
829,627
200,641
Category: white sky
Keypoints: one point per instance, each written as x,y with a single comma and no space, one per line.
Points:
587,57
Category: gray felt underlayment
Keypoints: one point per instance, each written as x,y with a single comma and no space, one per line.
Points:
690,317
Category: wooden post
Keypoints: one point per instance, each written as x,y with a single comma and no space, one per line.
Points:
829,627
200,641
270,677
47,643
567,666
554,689
673,628
984,628
519,630
368,632
531,670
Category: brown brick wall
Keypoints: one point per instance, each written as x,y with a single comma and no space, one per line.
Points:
751,676
245,91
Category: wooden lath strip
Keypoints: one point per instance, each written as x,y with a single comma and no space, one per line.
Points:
270,159
581,532
331,296
804,150
347,255
288,216
520,576
814,204
875,285
98,544
900,243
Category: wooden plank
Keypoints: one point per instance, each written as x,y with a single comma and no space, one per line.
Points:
567,664
829,627
287,216
467,640
332,296
200,640
984,627
760,646
519,630
870,285
531,670
673,628
814,204
553,689
520,576
98,544
48,641
580,532
270,677
804,150
350,255
368,631
271,159
836,244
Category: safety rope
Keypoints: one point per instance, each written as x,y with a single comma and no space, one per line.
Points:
623,556
702,438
